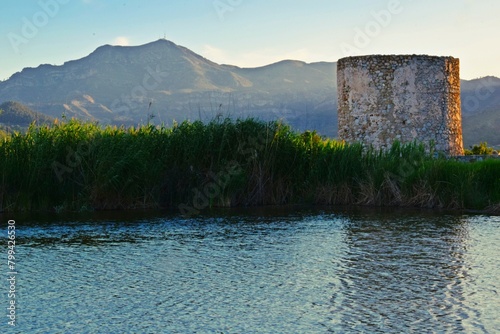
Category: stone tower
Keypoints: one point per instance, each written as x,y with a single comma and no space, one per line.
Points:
400,97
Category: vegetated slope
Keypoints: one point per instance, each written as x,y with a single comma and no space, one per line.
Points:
17,114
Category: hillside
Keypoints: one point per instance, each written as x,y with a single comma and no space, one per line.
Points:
17,114
480,95
482,127
116,84
481,111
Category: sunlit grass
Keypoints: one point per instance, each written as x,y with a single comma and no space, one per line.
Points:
74,165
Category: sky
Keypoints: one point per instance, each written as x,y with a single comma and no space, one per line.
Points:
252,33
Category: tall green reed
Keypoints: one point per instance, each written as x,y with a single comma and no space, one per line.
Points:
75,165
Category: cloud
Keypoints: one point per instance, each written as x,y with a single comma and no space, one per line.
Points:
121,40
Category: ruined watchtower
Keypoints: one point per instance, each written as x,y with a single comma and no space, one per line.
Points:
400,97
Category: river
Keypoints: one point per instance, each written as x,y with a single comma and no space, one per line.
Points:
258,271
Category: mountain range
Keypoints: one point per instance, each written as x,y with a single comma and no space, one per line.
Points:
162,81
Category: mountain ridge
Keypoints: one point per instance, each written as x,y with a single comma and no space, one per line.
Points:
128,84
114,84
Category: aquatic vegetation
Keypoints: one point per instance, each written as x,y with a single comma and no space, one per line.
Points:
72,165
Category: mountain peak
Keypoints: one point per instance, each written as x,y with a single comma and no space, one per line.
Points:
135,50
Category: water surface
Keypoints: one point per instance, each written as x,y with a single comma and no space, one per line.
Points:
312,271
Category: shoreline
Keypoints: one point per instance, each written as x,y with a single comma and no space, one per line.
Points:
130,215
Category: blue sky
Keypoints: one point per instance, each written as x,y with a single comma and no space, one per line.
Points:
250,33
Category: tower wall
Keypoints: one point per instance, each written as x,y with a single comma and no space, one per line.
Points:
402,97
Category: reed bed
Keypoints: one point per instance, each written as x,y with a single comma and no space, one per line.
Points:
191,166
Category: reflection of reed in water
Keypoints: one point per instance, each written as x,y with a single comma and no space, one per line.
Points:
402,275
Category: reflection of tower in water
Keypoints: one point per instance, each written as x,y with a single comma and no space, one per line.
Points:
403,274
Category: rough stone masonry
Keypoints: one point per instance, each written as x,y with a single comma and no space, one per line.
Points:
400,97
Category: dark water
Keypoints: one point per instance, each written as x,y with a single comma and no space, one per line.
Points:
260,272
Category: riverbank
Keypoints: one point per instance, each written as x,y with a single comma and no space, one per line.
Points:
76,166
